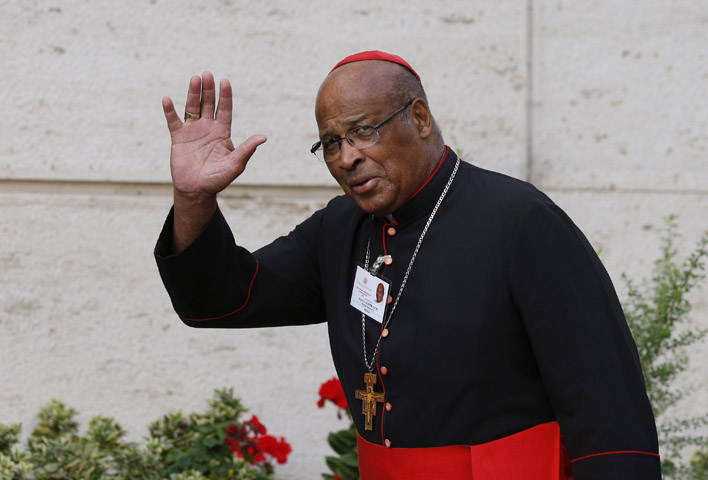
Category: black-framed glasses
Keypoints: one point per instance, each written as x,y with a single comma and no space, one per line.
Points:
360,137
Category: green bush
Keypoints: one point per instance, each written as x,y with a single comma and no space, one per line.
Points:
657,312
178,448
699,464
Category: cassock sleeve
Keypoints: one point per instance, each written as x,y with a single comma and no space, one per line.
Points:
217,284
583,347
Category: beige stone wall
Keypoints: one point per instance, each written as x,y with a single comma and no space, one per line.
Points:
599,103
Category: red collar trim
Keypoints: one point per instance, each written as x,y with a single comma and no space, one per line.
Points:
442,160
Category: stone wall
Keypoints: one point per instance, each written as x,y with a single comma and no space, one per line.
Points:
598,103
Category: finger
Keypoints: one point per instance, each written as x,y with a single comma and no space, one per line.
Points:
208,95
243,152
173,121
193,95
224,111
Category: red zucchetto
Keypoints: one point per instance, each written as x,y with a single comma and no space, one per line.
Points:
375,55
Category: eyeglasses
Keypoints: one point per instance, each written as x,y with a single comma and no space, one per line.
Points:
360,138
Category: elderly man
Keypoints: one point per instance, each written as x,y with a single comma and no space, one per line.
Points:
501,352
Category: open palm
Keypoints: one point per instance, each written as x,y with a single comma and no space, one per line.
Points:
203,158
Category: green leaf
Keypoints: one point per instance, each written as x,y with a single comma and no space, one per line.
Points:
212,441
342,468
657,311
340,443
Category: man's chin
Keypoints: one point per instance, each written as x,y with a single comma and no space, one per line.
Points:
373,208
372,202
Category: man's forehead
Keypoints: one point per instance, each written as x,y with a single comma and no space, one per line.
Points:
366,74
357,82
353,93
352,96
362,80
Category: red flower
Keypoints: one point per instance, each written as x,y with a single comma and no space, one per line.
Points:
256,425
231,432
250,443
242,440
235,437
278,449
332,390
257,456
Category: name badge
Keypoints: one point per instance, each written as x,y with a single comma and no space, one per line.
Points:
369,294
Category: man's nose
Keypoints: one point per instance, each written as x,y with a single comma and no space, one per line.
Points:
348,155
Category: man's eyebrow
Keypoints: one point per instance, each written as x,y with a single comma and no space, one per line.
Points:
357,120
351,122
326,135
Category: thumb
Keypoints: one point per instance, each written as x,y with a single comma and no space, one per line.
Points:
252,142
243,152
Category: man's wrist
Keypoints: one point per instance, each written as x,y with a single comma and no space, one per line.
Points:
192,212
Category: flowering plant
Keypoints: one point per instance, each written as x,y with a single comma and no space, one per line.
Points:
346,465
218,444
209,445
332,391
250,443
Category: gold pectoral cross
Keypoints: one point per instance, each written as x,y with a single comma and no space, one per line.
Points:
369,397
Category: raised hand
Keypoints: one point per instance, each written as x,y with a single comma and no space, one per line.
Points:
203,159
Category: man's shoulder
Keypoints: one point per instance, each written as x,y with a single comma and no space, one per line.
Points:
339,213
341,204
491,189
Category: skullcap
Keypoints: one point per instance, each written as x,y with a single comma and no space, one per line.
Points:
375,55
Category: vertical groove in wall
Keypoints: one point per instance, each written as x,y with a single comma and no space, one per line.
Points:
529,90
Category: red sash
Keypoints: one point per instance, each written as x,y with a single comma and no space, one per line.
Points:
537,453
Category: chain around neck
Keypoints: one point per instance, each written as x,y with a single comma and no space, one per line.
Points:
370,365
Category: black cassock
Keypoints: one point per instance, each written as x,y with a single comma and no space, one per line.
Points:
508,319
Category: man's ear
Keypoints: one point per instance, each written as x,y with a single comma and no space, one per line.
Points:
421,117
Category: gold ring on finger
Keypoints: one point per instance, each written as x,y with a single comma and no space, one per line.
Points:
191,116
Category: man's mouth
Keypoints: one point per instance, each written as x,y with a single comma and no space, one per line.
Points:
362,184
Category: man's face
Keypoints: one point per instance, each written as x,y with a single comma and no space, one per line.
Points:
382,177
